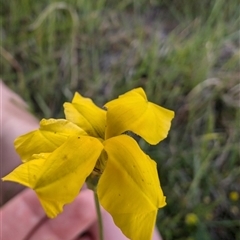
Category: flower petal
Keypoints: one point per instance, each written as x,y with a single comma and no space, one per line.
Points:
51,134
83,112
129,188
133,112
58,177
25,174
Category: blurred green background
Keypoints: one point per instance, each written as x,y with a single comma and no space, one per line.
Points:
185,54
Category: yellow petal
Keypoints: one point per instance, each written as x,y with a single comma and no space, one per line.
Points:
58,177
26,174
133,112
129,188
51,134
83,112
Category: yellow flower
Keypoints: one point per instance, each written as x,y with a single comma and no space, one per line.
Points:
234,196
191,219
61,154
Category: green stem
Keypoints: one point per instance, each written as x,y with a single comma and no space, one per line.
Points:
99,215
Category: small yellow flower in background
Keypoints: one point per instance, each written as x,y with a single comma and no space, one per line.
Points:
234,196
63,153
191,219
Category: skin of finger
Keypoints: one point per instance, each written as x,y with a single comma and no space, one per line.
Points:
85,238
74,221
15,120
20,215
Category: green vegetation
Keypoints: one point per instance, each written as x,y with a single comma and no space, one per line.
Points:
185,54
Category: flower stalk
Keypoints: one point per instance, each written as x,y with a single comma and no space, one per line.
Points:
92,181
99,216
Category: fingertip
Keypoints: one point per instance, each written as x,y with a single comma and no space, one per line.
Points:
20,215
75,219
